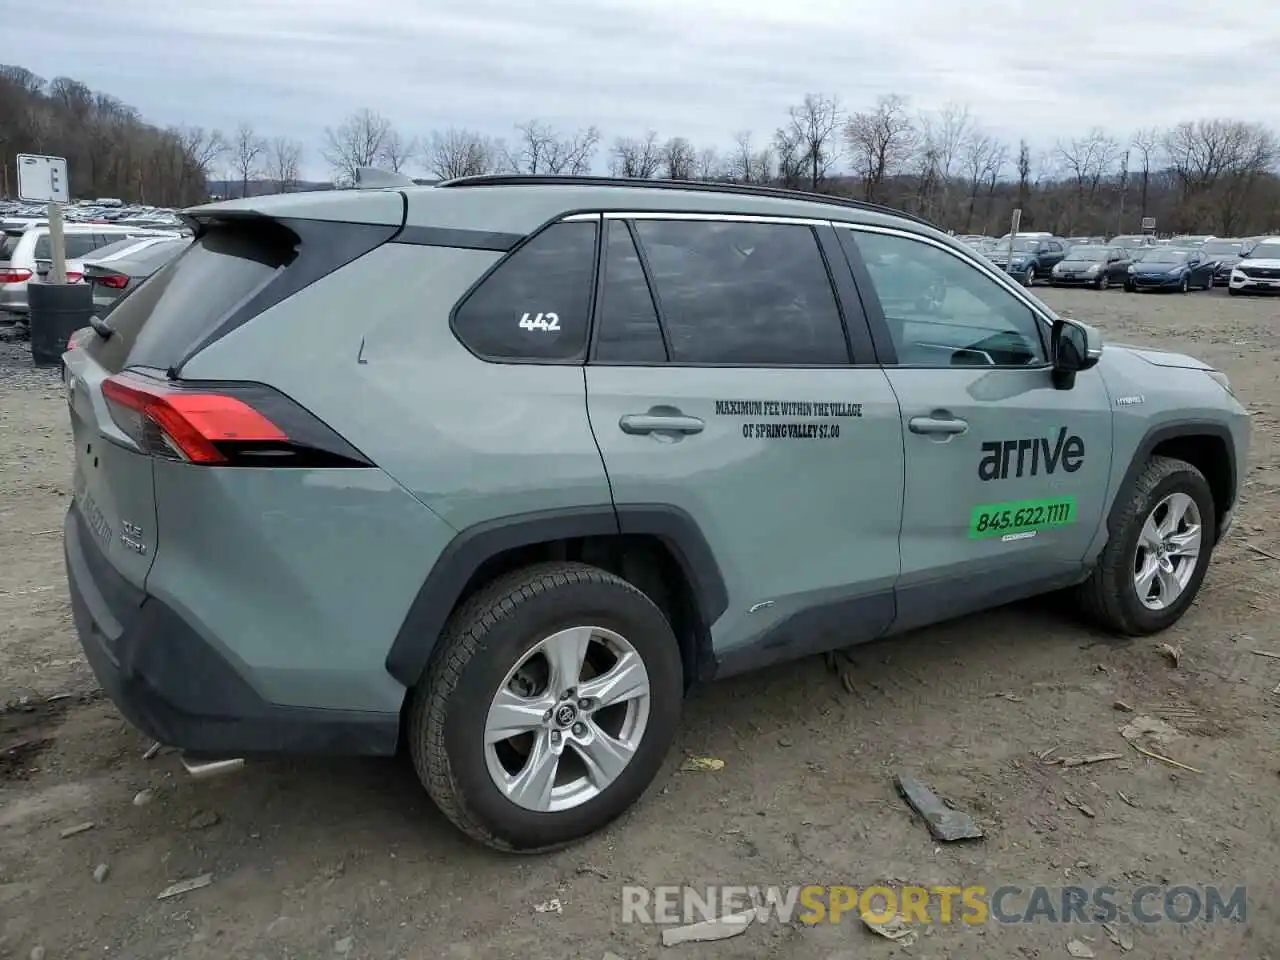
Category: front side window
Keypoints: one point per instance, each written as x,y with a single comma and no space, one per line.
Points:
753,294
536,305
942,311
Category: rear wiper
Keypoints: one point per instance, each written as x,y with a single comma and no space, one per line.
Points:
102,328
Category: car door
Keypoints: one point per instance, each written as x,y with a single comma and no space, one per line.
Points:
1006,476
1053,255
721,384
1118,267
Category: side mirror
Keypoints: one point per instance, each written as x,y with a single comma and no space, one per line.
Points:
1073,347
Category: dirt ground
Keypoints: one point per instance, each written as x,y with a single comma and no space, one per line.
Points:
319,859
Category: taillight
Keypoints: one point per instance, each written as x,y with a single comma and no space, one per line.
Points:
11,275
74,277
114,281
223,424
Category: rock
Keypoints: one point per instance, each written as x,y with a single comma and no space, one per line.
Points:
1080,950
203,820
344,945
100,872
37,953
784,741
142,798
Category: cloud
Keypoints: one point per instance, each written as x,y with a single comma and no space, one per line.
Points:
704,70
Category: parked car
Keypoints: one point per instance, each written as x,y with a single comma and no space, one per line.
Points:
1170,268
1258,271
1226,251
1131,241
1031,258
1092,266
23,247
116,277
539,501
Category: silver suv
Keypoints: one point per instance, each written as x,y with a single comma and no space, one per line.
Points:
495,470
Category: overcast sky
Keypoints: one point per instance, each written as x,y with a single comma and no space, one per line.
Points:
698,68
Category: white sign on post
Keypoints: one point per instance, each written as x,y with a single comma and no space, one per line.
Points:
1148,224
42,179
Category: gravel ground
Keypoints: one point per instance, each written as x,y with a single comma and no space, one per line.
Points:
349,859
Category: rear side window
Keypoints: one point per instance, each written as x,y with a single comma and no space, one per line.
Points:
173,311
626,316
753,294
536,304
8,244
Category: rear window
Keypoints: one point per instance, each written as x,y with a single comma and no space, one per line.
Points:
77,245
167,316
8,244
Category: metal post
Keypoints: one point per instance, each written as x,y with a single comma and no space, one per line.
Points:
57,244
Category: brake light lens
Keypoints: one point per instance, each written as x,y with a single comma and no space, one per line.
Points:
74,277
113,281
222,424
10,275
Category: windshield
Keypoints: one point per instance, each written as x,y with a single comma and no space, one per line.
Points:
1087,251
1164,256
1222,248
1021,245
1268,250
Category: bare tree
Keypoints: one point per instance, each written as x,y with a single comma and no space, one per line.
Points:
1024,174
710,165
397,152
356,142
247,151
1147,143
679,159
976,156
638,158
813,127
540,149
284,158
461,153
789,154
881,141
1086,160
746,164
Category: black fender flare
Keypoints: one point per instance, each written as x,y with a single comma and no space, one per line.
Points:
1158,435
458,562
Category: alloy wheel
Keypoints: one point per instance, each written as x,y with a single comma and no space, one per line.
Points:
567,719
1168,551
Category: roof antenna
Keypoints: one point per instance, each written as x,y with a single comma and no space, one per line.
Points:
371,178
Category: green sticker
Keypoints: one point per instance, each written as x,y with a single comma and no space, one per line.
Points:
1021,516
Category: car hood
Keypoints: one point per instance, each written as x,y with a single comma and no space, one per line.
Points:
1161,358
1083,263
1270,263
1157,267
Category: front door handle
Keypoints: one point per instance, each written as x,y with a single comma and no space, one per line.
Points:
944,426
640,423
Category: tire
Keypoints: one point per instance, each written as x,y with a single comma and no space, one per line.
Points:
1110,597
1103,283
1128,287
1029,278
481,645
1185,285
1232,291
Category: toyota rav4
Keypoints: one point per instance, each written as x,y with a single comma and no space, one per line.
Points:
495,470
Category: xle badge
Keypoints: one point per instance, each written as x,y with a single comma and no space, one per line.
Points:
1030,457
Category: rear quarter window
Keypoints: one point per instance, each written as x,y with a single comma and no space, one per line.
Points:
536,304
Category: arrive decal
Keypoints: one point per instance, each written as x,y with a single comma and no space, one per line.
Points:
1031,457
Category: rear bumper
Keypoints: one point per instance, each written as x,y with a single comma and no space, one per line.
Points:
175,687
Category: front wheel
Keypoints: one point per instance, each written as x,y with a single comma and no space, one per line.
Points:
548,707
1185,285
1104,282
1232,291
1155,559
1029,277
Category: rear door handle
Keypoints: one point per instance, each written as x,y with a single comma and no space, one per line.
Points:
935,426
640,423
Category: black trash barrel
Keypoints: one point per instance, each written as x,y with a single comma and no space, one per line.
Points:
57,311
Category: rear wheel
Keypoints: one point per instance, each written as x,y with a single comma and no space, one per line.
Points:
548,707
1155,560
1029,277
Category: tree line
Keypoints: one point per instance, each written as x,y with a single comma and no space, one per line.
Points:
1210,175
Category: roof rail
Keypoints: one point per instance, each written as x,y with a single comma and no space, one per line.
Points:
706,186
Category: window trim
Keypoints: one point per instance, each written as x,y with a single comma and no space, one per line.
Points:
579,358
886,350
602,271
815,226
